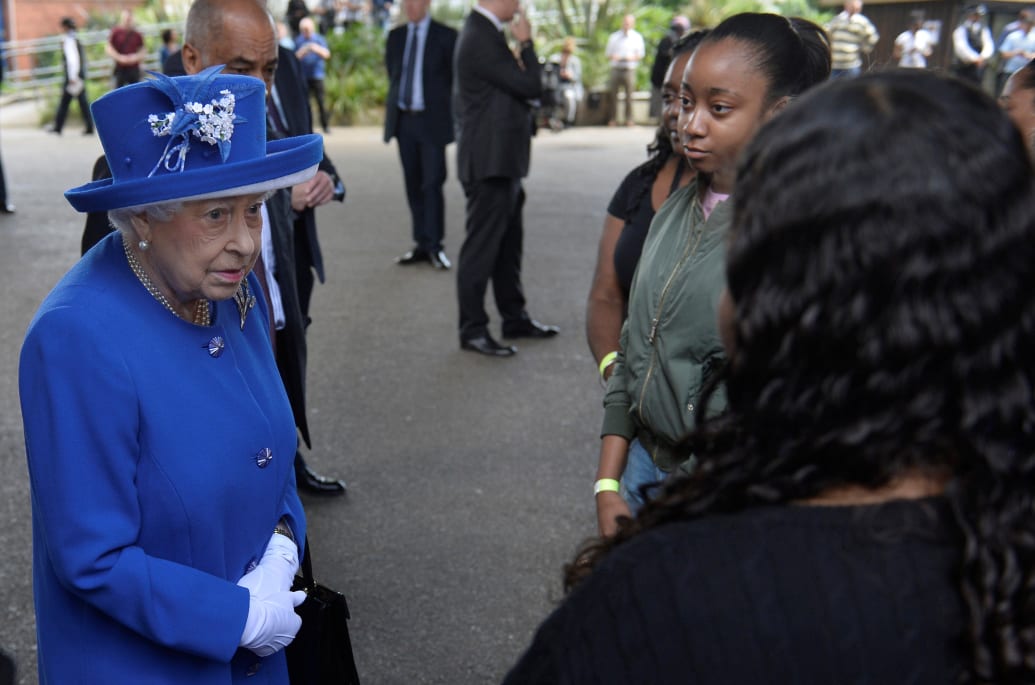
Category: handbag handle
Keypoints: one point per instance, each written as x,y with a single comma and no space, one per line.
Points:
307,566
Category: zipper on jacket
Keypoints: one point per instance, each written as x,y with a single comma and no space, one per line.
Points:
688,252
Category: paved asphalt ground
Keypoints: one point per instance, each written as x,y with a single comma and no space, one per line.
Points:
469,478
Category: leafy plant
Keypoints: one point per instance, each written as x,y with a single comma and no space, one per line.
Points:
357,83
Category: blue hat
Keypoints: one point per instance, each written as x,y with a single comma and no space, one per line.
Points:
191,138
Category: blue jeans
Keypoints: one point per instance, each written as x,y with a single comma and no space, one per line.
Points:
640,470
842,73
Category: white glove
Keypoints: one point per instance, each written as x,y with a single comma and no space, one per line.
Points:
272,622
275,571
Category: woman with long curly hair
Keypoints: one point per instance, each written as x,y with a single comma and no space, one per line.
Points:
863,511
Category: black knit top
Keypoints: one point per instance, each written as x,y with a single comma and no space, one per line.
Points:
790,594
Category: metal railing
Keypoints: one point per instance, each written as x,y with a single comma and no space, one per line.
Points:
47,65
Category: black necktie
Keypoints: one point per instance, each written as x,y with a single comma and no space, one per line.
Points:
406,97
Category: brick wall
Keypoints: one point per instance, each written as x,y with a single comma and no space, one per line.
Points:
27,19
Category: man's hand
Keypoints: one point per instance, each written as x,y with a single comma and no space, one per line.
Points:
319,190
520,28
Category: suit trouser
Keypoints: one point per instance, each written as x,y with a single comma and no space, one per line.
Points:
424,173
491,250
316,91
622,78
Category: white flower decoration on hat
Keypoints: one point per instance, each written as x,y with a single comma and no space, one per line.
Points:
211,122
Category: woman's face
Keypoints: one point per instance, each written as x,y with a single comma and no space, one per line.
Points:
722,106
1019,105
205,250
670,100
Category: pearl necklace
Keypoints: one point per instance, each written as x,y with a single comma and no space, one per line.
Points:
202,310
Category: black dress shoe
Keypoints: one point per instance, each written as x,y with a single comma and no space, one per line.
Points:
484,344
528,328
6,208
439,260
314,483
414,256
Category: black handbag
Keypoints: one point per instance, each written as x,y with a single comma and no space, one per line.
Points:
321,653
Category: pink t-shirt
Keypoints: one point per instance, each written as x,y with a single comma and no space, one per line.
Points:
711,199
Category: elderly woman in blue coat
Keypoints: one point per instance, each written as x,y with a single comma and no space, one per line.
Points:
166,524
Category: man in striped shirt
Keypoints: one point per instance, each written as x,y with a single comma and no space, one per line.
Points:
851,36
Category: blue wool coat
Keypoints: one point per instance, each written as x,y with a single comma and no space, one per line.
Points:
148,499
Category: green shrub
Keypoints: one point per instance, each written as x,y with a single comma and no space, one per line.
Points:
357,83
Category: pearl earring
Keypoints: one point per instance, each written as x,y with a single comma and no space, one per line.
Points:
143,245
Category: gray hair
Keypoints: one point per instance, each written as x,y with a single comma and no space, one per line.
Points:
122,219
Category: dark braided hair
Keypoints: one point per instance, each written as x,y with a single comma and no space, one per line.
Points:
881,268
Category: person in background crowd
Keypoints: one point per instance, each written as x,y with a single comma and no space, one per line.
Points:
297,10
1017,49
852,37
1013,25
166,524
625,50
662,57
418,114
126,47
5,206
170,46
743,73
494,137
972,45
326,11
350,13
914,45
862,512
381,13
569,72
311,50
630,212
75,79
1018,101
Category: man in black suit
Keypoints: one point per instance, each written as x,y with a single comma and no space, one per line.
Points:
494,129
419,59
241,35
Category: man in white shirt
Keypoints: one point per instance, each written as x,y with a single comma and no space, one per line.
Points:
625,50
972,45
914,45
1017,49
75,79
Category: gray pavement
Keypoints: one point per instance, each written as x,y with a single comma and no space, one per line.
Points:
469,478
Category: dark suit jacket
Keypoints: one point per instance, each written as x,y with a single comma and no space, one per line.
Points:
294,98
491,103
436,78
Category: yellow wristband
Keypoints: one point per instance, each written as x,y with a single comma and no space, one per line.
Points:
607,361
605,485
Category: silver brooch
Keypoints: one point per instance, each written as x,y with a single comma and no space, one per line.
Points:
244,300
